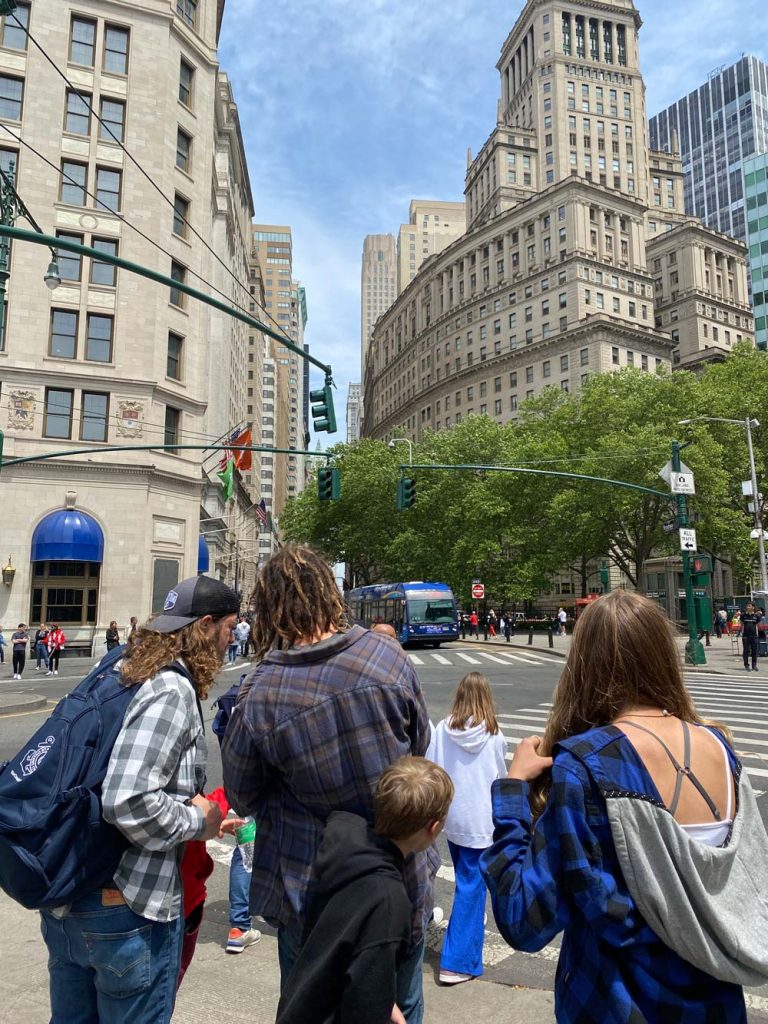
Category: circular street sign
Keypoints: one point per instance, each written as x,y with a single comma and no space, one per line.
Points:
478,591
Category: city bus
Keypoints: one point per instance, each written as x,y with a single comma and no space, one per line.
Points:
419,612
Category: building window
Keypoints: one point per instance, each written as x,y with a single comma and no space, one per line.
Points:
180,215
57,421
529,375
65,592
615,356
546,368
63,342
186,80
172,423
98,344
178,273
183,149
77,118
94,417
584,357
563,363
113,115
116,50
73,179
175,350
14,36
104,273
11,96
82,42
187,11
70,264
108,184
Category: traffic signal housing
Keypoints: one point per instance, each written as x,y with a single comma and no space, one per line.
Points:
323,413
328,484
406,493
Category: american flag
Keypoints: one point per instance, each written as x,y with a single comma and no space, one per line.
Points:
228,453
261,512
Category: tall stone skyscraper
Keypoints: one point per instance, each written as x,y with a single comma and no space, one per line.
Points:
578,257
431,227
717,127
378,285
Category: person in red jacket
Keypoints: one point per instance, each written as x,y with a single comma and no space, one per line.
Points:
196,868
55,641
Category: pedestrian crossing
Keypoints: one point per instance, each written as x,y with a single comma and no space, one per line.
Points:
498,656
741,705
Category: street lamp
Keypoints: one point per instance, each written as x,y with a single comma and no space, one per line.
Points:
11,207
402,440
758,531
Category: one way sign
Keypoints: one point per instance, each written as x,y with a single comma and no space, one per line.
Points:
687,539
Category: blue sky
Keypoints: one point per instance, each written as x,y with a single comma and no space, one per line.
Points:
351,108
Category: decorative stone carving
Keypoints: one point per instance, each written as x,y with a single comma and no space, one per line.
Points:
130,419
21,410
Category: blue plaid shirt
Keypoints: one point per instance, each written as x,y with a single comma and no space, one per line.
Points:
311,732
563,875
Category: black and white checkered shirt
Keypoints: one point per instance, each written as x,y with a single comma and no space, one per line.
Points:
157,763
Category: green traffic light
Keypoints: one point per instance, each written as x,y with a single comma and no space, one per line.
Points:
328,484
406,493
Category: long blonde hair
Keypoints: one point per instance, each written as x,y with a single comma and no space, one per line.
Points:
473,701
623,654
148,652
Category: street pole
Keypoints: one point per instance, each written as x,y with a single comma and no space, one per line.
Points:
694,651
758,508
403,440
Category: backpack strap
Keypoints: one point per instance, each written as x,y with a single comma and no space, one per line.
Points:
177,666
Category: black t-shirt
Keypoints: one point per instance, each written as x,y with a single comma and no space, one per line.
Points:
19,640
749,623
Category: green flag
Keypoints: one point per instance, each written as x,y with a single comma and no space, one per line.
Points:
227,477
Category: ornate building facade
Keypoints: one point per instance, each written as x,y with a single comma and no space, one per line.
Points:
564,268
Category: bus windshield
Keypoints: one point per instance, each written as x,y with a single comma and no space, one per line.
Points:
434,610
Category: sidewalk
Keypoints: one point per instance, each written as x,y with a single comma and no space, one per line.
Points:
722,657
233,989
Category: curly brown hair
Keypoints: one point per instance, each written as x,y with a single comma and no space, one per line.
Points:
148,652
296,597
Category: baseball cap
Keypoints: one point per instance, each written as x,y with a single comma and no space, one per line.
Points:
190,600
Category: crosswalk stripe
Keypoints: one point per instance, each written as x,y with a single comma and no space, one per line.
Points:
466,657
492,657
415,660
440,659
522,658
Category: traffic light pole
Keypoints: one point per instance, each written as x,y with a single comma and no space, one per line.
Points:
694,650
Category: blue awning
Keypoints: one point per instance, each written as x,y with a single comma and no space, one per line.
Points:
68,536
203,556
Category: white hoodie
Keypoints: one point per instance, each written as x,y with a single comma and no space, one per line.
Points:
473,759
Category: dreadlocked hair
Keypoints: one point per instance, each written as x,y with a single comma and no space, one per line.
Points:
296,597
148,652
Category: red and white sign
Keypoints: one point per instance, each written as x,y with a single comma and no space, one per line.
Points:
478,591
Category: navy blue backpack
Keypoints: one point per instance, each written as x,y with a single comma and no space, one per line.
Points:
226,705
54,844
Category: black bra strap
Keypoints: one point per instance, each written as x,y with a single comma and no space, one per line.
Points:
681,770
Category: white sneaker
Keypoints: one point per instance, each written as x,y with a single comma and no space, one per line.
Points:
56,672
37,668
49,673
238,941
438,915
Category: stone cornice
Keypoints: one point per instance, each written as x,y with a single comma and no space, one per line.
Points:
70,469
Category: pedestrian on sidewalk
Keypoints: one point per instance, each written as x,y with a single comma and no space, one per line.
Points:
41,647
473,623
491,623
114,954
19,641
55,642
243,632
112,636
562,618
233,646
358,924
641,841
467,743
325,710
3,645
750,629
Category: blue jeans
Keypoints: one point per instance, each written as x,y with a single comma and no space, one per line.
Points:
41,652
232,650
239,893
463,945
109,964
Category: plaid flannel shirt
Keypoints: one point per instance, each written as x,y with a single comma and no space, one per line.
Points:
157,763
564,875
312,731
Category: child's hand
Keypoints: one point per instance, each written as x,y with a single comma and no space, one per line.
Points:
229,825
527,764
397,1015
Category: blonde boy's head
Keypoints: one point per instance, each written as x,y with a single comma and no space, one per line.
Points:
412,794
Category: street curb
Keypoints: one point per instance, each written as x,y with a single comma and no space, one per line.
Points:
533,648
12,703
